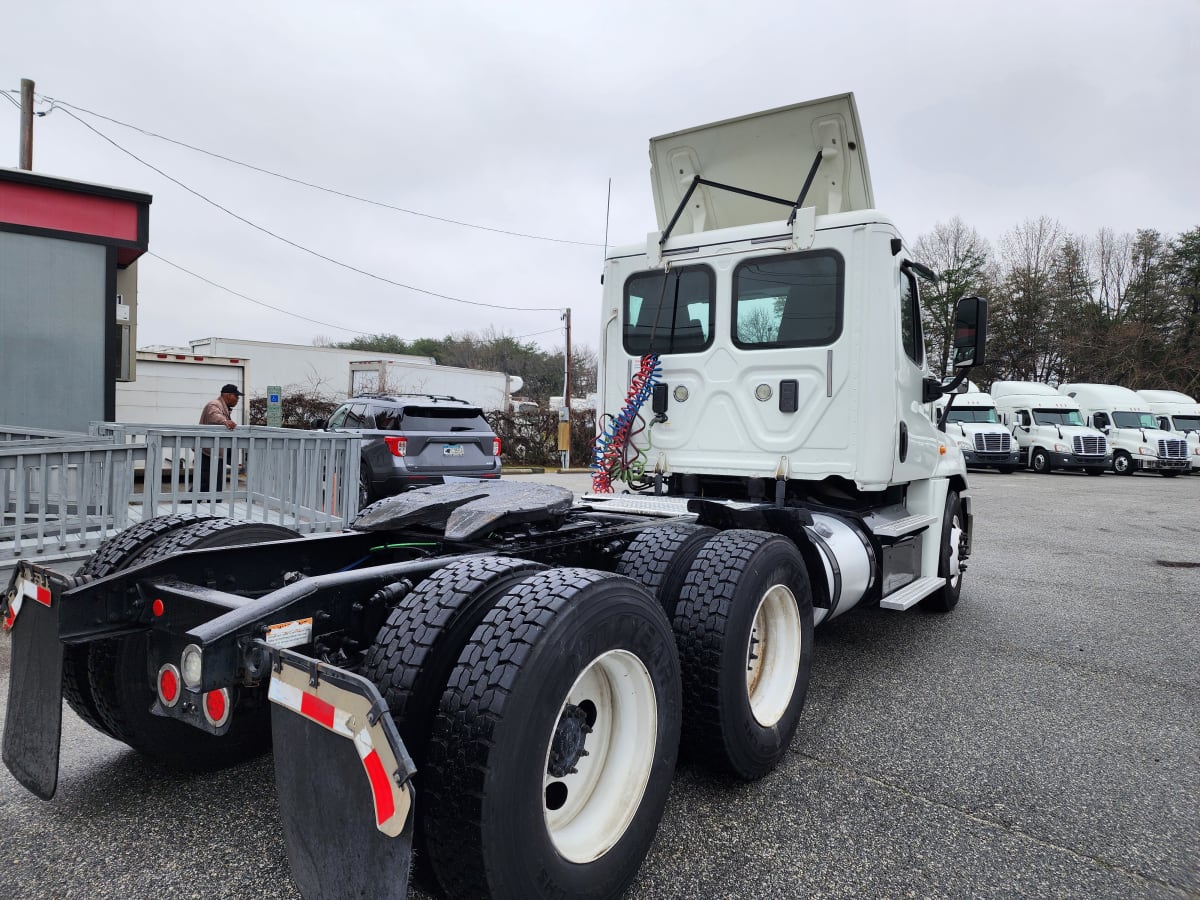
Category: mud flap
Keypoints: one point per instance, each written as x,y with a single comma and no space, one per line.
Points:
342,782
33,723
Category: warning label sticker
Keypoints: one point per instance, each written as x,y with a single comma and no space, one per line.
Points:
290,634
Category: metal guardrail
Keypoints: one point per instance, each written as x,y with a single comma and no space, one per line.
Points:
63,496
63,493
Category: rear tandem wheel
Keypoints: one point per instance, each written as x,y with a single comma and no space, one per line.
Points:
123,687
552,754
117,553
744,628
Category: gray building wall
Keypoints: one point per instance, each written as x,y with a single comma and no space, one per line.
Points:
53,316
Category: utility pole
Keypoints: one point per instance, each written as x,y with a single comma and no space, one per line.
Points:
566,446
26,156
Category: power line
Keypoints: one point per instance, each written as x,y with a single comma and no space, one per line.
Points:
251,299
62,104
291,243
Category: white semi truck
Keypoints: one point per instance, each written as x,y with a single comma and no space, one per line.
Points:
974,423
1178,413
1138,444
509,671
1049,428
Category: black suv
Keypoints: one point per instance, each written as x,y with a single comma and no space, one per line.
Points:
415,440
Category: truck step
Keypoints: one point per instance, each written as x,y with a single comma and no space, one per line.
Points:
899,527
912,594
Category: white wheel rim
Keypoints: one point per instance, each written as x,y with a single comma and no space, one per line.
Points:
773,655
587,811
952,567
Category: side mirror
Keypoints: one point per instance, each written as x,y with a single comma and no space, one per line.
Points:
970,332
318,424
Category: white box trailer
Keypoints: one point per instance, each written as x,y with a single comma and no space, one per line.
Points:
173,385
1138,443
1178,413
323,371
1049,428
489,390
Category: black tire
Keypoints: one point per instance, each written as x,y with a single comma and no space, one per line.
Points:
491,796
1006,470
1040,462
1122,463
122,684
953,530
660,559
117,553
1095,470
365,494
723,603
1168,473
418,647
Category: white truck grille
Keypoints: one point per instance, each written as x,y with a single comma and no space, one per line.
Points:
1172,448
993,443
1090,445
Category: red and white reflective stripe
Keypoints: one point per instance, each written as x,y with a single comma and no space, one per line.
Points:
35,591
26,588
311,707
337,720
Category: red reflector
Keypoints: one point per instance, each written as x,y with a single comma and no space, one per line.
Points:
157,608
215,706
495,446
168,686
381,787
398,445
317,710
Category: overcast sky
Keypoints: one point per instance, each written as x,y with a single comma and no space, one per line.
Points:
514,116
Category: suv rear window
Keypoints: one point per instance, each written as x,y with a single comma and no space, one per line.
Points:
425,418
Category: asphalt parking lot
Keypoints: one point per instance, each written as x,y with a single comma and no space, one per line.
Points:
1041,740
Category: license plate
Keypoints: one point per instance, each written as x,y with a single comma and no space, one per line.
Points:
452,450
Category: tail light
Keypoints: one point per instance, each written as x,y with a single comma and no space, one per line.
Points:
217,707
398,445
168,685
495,446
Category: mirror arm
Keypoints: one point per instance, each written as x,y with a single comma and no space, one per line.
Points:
952,390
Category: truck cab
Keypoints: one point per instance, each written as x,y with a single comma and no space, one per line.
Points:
974,424
1049,429
784,335
1139,445
1180,414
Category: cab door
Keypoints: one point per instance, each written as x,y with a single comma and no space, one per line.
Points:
916,440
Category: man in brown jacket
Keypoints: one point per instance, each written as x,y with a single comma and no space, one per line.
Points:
217,412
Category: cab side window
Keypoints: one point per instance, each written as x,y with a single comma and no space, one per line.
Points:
910,318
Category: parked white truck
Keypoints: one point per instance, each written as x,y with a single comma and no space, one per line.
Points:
974,424
538,658
1138,444
1049,428
1178,413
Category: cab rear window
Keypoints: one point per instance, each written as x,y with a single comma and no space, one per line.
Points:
671,313
788,301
